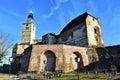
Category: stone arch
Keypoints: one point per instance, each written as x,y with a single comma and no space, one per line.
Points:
80,64
50,61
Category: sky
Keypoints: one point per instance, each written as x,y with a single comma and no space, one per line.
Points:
53,15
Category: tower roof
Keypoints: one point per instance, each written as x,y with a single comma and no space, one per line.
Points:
30,11
30,18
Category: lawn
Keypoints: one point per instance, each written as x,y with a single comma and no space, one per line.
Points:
74,76
91,76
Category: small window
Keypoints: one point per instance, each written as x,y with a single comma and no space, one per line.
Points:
27,28
26,24
95,30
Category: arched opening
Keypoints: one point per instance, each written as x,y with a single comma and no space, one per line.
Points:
78,61
50,61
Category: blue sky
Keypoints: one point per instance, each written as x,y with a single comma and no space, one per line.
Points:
53,15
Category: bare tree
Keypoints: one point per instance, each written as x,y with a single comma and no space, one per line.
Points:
5,44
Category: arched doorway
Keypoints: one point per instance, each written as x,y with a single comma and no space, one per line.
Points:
50,61
78,61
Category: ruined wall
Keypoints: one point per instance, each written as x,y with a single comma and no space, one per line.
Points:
114,51
70,57
25,58
75,36
20,48
65,58
49,39
38,57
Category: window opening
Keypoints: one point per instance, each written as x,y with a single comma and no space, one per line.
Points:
26,24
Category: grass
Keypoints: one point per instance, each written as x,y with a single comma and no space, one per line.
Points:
91,76
74,76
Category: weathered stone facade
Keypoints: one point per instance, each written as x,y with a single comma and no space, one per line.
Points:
94,32
84,31
64,57
74,41
115,53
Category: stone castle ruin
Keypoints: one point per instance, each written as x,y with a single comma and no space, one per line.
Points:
80,39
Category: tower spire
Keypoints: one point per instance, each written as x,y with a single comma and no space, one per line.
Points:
31,10
30,18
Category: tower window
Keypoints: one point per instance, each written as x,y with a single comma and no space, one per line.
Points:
26,24
27,28
95,30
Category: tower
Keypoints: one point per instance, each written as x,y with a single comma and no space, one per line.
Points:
29,28
84,31
94,32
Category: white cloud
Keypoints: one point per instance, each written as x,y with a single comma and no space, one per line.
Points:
55,6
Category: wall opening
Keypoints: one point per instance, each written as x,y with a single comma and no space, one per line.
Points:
78,65
97,35
96,30
50,61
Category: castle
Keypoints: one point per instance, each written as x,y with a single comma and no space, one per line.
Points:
79,39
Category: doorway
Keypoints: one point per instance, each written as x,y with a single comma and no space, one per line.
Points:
50,61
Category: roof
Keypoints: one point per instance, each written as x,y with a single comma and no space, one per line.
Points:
30,18
53,34
31,11
75,22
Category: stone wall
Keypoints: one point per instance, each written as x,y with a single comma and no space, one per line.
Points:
49,38
65,57
114,51
25,58
75,36
20,48
91,24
